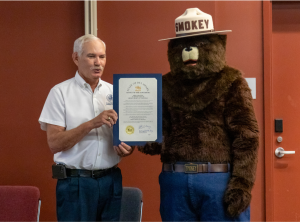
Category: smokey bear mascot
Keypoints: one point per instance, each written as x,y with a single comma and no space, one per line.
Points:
209,152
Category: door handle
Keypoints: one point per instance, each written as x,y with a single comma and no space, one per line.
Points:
279,152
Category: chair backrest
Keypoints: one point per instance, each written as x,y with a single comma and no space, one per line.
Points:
19,203
132,204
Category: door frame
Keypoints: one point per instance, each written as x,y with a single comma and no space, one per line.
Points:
268,109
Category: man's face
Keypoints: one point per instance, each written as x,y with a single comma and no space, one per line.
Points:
92,61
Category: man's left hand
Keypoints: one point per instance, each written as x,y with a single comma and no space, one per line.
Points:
124,150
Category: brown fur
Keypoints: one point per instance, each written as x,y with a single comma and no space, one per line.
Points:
208,117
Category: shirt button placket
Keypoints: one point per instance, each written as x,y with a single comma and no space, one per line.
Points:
95,114
95,105
96,108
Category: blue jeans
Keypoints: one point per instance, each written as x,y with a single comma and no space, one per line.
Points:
89,199
195,197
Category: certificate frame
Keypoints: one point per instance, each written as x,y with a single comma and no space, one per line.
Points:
116,78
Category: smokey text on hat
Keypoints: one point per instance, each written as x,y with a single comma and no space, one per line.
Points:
192,25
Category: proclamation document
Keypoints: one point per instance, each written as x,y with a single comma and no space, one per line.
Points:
138,102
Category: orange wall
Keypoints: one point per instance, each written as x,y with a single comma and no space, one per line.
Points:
36,46
131,31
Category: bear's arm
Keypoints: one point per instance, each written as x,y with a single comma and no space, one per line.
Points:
243,131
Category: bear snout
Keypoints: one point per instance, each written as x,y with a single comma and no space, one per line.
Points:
190,55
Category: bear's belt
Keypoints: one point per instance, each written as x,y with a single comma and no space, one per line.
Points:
196,167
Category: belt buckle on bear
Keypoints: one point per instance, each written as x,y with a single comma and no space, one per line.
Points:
191,168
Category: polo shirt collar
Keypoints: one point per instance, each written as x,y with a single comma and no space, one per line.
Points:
83,83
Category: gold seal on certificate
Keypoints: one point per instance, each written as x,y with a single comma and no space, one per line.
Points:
129,130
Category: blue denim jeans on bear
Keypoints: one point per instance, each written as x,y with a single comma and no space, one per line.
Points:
195,197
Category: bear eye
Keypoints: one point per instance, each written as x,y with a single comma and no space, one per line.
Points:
201,44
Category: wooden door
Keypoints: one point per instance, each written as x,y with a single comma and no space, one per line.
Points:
283,102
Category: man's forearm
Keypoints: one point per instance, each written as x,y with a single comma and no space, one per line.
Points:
63,140
60,140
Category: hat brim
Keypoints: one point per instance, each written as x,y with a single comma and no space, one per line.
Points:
206,33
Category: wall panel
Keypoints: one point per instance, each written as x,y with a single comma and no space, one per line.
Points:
131,31
36,46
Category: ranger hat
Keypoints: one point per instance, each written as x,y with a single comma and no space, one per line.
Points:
194,22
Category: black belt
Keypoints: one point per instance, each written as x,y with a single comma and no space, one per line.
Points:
89,173
196,168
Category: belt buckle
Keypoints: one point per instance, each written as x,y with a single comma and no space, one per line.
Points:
93,174
191,168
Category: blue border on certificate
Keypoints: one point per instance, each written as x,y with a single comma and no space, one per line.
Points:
158,77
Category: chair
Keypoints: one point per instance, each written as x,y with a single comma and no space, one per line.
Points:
132,204
19,203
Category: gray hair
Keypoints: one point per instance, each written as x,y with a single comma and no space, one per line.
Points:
83,39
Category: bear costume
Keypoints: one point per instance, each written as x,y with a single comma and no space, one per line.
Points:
209,126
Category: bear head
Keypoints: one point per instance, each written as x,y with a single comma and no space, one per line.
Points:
197,57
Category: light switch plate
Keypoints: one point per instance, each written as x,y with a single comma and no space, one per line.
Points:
252,85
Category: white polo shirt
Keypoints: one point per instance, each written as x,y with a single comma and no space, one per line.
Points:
72,103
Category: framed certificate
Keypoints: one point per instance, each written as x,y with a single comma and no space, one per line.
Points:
137,98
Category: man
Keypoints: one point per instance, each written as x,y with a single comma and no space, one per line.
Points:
78,118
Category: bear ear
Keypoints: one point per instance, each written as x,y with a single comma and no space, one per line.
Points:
223,39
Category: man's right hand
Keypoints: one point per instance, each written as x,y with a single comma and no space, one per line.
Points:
107,117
